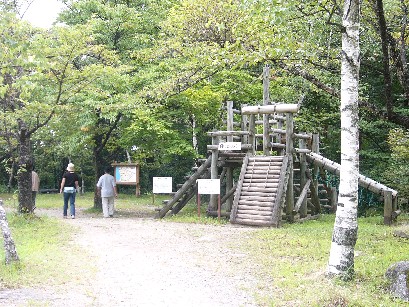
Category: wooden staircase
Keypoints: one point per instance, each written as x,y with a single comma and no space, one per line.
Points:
260,193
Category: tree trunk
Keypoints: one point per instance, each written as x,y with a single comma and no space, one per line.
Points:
25,166
98,167
11,178
341,259
9,246
387,80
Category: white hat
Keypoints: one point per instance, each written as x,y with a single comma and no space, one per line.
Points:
70,167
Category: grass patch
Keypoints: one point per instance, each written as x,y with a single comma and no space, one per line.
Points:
46,251
296,257
293,257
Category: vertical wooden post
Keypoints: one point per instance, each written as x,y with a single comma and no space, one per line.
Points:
280,125
334,199
138,187
230,120
394,208
229,170
395,203
266,101
387,208
219,207
214,172
229,186
198,204
289,150
252,133
244,126
315,148
303,177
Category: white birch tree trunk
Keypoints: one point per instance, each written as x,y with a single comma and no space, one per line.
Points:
9,247
345,234
194,134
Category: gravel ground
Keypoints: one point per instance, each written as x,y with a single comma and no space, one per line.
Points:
149,262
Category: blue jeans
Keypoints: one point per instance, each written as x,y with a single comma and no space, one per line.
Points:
71,197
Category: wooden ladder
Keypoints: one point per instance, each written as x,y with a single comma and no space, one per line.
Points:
259,194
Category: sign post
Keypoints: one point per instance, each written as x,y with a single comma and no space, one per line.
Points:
161,185
208,186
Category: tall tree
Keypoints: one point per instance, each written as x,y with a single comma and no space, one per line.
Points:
43,73
345,234
125,27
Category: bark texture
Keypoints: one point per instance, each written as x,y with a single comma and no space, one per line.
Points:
25,166
341,260
9,246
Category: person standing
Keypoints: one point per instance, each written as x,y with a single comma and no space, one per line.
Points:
69,185
107,190
35,186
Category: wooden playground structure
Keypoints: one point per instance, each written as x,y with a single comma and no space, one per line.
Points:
279,170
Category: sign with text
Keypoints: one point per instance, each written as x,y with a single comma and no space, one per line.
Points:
126,174
162,185
208,186
230,146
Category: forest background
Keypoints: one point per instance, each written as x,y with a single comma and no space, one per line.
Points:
144,81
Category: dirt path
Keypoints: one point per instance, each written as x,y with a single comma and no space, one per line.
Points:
148,262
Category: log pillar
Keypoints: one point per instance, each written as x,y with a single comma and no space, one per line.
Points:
214,173
266,101
289,149
333,199
303,177
252,134
387,208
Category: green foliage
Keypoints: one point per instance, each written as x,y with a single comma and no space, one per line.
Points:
398,169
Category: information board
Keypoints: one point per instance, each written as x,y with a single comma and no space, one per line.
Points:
162,185
125,174
208,186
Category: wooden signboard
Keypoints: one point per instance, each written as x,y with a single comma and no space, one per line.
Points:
127,174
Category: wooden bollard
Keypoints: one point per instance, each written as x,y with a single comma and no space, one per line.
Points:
387,208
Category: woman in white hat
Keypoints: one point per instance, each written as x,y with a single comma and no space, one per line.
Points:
69,185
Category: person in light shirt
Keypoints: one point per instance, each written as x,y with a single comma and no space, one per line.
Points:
35,186
107,190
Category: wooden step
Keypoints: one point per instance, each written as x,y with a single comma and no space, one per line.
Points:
264,164
270,184
259,176
255,203
265,158
263,171
254,208
270,179
251,222
255,198
254,217
251,188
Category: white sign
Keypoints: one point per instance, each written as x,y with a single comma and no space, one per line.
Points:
208,186
162,185
230,146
